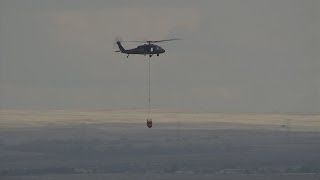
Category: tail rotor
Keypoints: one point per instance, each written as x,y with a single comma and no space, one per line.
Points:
118,44
116,41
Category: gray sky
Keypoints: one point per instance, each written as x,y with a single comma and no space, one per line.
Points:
235,56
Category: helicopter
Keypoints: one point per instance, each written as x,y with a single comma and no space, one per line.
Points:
144,49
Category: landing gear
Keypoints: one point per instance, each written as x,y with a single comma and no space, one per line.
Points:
157,54
128,56
150,55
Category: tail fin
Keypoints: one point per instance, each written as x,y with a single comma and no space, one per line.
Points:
121,47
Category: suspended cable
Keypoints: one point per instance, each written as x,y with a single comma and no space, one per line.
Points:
149,119
149,101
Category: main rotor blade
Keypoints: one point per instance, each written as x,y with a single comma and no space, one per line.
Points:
165,40
155,41
134,41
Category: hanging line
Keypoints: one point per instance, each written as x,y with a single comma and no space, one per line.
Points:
149,91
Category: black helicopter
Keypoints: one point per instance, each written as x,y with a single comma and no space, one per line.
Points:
144,49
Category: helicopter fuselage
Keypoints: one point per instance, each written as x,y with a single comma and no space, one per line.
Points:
145,49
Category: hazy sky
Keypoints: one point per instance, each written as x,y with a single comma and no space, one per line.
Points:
236,55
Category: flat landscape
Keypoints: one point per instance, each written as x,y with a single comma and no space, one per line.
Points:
116,144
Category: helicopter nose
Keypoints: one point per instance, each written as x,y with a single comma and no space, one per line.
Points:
163,50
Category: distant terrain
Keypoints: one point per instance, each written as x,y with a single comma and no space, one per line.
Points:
116,144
